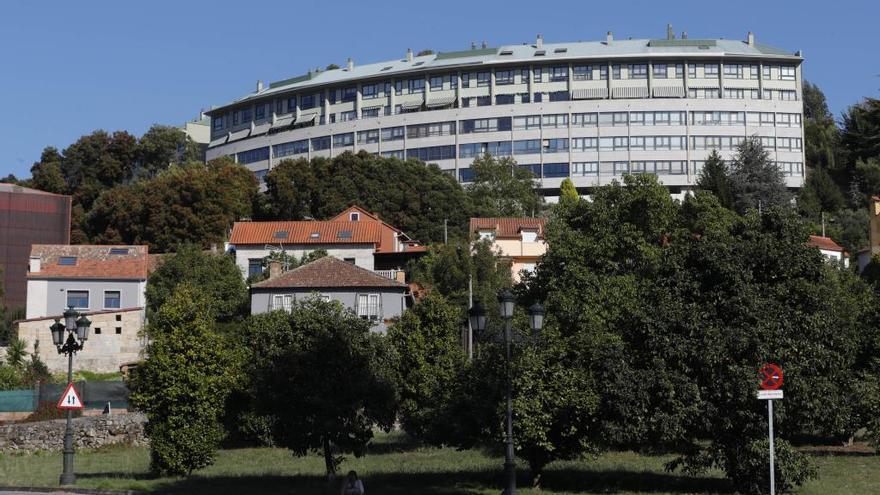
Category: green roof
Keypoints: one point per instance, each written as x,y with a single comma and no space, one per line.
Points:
467,53
292,80
677,43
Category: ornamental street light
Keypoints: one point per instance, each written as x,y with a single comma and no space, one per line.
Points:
477,317
77,333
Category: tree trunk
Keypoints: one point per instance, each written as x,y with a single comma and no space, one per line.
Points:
536,469
329,462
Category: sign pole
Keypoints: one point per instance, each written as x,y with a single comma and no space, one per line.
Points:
772,470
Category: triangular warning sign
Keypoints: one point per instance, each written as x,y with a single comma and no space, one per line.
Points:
70,399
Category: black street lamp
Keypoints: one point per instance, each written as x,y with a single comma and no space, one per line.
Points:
77,333
477,316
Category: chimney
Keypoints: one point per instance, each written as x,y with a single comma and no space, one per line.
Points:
609,38
539,42
670,34
485,45
409,55
34,265
259,86
400,276
350,64
274,268
684,35
751,39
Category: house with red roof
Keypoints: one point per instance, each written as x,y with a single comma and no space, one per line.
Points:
371,296
831,250
106,283
519,241
354,235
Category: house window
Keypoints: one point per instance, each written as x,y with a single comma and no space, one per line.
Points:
354,216
282,301
67,260
112,299
79,299
368,306
349,260
118,330
255,266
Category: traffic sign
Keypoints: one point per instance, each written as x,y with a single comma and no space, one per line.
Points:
771,377
70,399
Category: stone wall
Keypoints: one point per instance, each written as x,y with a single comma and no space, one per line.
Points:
89,432
113,340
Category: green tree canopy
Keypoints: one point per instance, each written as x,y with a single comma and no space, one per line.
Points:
567,192
755,180
216,275
322,376
502,189
184,382
162,146
714,178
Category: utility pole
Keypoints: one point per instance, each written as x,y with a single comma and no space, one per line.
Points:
445,232
470,332
823,224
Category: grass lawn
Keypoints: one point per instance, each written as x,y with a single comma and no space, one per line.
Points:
395,467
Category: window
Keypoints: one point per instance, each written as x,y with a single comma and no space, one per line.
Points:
496,148
484,101
465,80
505,99
555,121
342,140
118,251
551,170
559,73
538,97
786,73
252,156
453,81
767,72
368,137
436,83
584,120
368,306
537,74
118,330
347,116
432,153
603,72
692,70
393,133
112,299
582,72
280,234
638,71
483,78
348,260
321,143
370,113
733,71
369,91
433,129
79,299
255,266
307,101
555,145
466,174
97,330
343,234
291,148
660,71
584,143
534,169
527,147
527,122
615,72
585,168
67,260
754,72
485,125
245,115
710,70
679,71
217,122
559,96
260,112
613,119
503,77
416,85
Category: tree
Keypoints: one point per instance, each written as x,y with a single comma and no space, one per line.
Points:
16,352
502,189
332,67
755,180
216,275
162,146
183,383
861,126
567,192
430,358
715,179
46,174
426,51
323,377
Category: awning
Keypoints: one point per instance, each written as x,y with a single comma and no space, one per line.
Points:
219,141
235,136
668,91
777,87
283,122
630,92
411,105
440,101
261,129
589,94
373,106
703,85
741,84
306,118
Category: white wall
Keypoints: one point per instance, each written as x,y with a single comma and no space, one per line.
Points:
362,253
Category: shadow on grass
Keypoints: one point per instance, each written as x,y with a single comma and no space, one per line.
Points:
439,483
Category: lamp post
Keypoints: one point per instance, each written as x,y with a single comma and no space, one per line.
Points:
77,333
477,317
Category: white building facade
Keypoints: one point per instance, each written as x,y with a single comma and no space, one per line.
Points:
588,111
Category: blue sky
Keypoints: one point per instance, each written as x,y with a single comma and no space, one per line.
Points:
67,68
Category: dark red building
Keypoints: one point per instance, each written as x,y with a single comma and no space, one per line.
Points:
27,216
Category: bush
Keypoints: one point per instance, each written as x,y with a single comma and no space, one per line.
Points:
750,470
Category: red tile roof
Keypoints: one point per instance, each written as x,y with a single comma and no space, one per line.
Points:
825,243
301,232
507,226
93,262
328,272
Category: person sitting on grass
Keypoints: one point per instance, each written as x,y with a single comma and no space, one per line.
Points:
352,485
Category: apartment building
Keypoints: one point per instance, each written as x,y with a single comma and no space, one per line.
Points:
589,111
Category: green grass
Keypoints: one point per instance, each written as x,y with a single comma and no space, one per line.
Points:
394,466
